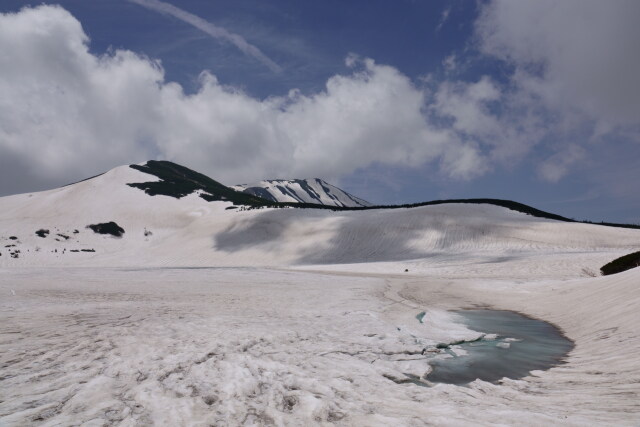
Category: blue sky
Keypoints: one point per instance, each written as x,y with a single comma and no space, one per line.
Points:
395,101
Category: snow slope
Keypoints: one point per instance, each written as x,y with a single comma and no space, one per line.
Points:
165,231
302,191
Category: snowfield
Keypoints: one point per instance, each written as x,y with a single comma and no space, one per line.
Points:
203,315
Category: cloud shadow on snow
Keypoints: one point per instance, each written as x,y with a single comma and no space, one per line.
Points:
354,237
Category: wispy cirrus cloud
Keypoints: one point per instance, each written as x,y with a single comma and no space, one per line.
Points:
214,31
443,19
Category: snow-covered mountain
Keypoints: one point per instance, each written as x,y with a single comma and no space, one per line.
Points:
302,191
171,215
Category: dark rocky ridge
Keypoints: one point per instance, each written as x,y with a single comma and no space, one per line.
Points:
178,181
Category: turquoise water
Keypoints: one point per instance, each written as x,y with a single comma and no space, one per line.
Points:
523,345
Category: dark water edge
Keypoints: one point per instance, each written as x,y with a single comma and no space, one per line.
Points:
523,345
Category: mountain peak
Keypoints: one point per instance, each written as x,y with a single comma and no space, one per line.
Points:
179,181
310,190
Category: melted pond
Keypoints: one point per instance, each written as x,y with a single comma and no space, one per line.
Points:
522,345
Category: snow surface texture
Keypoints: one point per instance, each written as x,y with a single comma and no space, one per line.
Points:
307,318
302,191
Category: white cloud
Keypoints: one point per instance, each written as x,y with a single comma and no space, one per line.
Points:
443,18
62,108
468,104
556,166
495,128
578,58
67,113
449,63
575,79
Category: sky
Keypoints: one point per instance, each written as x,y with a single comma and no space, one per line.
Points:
394,101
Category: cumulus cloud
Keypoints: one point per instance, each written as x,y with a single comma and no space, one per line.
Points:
574,54
68,113
495,128
63,109
576,69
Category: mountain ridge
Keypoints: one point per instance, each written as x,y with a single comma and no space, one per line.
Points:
309,190
181,181
174,180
